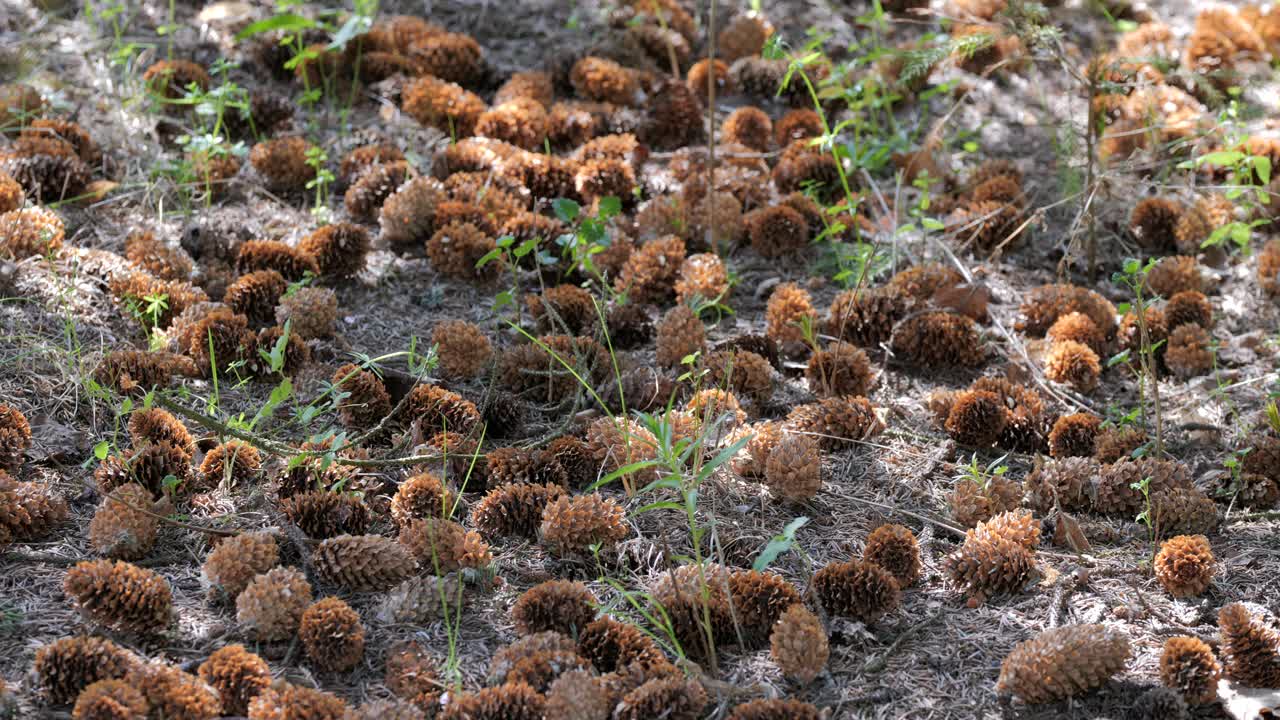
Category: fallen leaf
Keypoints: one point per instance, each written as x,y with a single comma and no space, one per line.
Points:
966,299
1067,533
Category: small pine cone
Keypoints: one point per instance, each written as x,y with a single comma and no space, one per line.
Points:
512,465
569,457
789,307
1184,511
1184,566
421,496
109,700
938,339
339,249
123,527
1063,662
605,177
1063,483
235,461
836,421
454,57
745,36
408,217
1268,267
670,697
420,600
463,348
1250,649
155,256
236,561
1078,327
595,78
514,509
861,590
649,274
1047,303
1188,666
443,546
1073,363
578,695
760,78
531,366
777,231
840,369
133,372
255,294
758,599
222,337
743,372
629,326
15,437
974,502
680,334
977,418
323,514
172,693
238,675
995,559
775,709
47,168
1113,491
804,168
563,308
673,117
702,276
1073,435
120,596
28,510
295,354
1175,274
1187,352
149,465
157,425
412,675
433,409
363,562
366,196
514,701
794,468
570,525
561,605
615,443
894,548
282,163
1117,443
749,126
170,78
11,195
1160,703
25,232
798,644
700,75
1188,306
502,413
506,659
332,635
368,401
1154,221
1263,457
65,667
285,701
523,122
456,249
359,160
293,263
533,84
612,645
443,105
271,605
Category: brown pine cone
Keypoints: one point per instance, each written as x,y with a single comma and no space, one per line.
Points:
759,599
649,274
28,510
1250,649
443,546
680,334
571,525
1073,435
835,421
1184,566
839,369
172,693
109,700
561,605
237,674
120,596
514,509
977,418
15,437
861,590
271,605
1188,666
974,502
421,496
68,665
794,468
1063,662
324,514
938,339
234,562
363,562
798,644
894,548
1065,483
996,557
332,635
285,700
670,697
124,526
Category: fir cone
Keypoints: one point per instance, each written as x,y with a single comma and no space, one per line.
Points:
1077,326
1073,435
794,468
332,635
973,502
271,605
894,548
443,546
292,263
120,596
514,509
363,562
28,510
798,644
1047,303
561,605
758,600
789,309
516,701
1160,703
1064,483
671,697
840,369
421,496
775,709
835,421
234,461
977,418
570,525
996,557
679,334
649,274
237,675
15,438
65,667
324,514
233,563
1063,662
109,700
421,599
1250,649
938,339
1184,565
285,701
411,675
1188,666
124,527
577,695
170,692
860,590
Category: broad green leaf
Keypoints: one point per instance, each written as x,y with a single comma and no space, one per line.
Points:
283,21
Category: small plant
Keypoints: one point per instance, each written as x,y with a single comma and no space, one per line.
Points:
318,160
1134,277
1143,486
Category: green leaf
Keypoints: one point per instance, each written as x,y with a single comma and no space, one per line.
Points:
931,224
779,544
283,21
1221,157
565,209
1120,357
610,206
100,450
1262,166
665,505
489,257
624,470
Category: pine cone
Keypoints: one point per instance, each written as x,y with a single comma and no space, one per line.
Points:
1188,666
578,695
512,465
612,646
1250,649
938,339
1077,327
539,669
48,169
15,437
777,231
236,561
25,232
1268,267
894,548
840,369
1160,703
996,557
11,198
1047,303
172,693
775,709
702,276
287,701
359,160
384,709
271,605
419,600
421,496
514,509
977,418
363,562
860,590
1187,353
454,57
794,468
282,163
749,126
332,635
255,294
235,461
570,525
67,666
503,414
134,372
679,334
324,514
745,373
629,326
530,367
1064,483
443,546
563,308
124,527
974,502
339,249
789,307
237,675
109,700
292,263
1153,222
616,443
1073,435
604,80
157,425
798,644
27,510
670,697
120,596
157,257
437,103
561,605
649,274
759,599
434,409
835,421
367,401
1117,443
408,217
1184,566
1063,662
1173,275
1183,510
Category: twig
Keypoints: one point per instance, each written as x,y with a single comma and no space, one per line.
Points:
878,663
957,532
